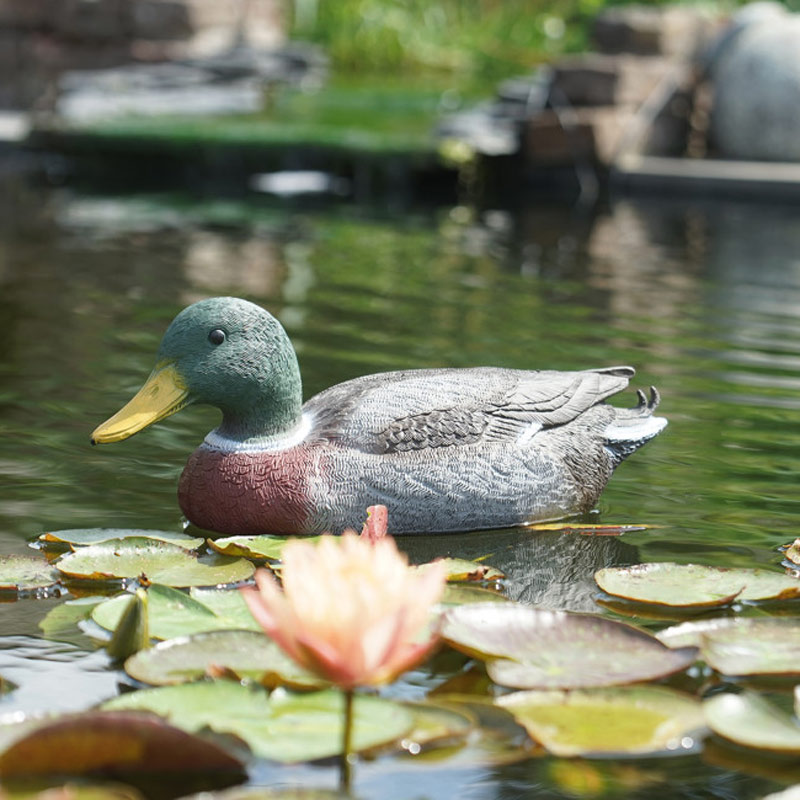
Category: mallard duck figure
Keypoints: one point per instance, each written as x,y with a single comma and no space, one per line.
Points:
443,449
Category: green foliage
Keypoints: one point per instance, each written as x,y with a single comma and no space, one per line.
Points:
490,38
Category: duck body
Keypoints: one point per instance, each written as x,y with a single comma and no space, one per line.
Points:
443,449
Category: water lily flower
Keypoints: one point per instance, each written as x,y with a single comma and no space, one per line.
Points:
377,525
351,610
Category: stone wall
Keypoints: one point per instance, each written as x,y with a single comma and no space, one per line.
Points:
40,39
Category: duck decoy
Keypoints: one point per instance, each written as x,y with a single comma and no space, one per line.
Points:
443,449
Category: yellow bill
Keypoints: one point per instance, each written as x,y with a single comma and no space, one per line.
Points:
163,394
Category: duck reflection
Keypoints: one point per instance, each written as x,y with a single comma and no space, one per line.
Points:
550,569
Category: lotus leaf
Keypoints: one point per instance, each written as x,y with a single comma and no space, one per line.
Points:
282,726
25,573
695,585
528,648
155,561
258,547
634,720
247,653
81,537
112,743
750,721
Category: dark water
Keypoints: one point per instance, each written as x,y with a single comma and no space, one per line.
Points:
702,299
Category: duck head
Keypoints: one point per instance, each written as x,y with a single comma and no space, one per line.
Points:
223,352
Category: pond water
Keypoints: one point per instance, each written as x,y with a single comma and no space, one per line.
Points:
703,299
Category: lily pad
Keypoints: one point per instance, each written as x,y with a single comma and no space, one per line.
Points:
792,553
587,530
459,594
258,547
634,720
750,721
459,569
246,653
283,726
229,606
116,743
531,648
157,562
497,738
170,613
690,634
695,585
436,724
26,573
754,647
82,537
61,621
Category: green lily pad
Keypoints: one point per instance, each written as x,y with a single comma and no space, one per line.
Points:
81,537
229,606
695,585
246,653
633,720
459,569
792,553
158,562
531,648
116,743
750,721
754,647
459,594
436,724
62,620
497,738
588,530
258,547
170,613
26,573
283,726
690,634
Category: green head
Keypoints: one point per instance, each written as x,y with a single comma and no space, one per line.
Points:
224,352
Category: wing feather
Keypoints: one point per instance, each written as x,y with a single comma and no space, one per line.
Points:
420,409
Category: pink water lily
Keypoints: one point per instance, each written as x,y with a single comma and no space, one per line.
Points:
351,610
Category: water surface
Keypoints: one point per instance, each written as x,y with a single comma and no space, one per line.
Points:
702,299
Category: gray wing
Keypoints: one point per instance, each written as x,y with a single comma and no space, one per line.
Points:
419,409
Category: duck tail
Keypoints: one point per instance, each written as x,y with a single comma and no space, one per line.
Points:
633,427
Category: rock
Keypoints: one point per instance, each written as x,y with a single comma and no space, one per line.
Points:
648,30
756,82
583,135
160,19
586,80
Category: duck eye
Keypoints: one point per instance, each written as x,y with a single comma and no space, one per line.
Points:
216,336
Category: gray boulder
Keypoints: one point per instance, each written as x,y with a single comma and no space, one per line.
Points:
755,72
